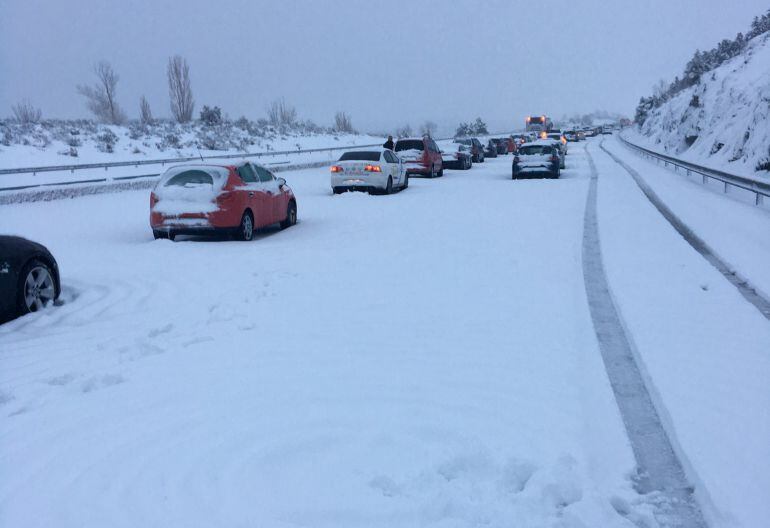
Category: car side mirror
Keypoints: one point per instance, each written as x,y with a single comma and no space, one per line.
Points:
281,182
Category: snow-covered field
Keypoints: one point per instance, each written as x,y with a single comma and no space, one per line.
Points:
426,358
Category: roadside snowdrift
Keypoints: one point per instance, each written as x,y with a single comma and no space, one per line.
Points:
724,120
56,142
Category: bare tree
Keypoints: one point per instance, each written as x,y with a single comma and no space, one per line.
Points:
404,131
279,113
179,90
100,97
428,128
342,122
145,113
25,113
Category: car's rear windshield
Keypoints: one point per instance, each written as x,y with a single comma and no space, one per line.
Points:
464,141
531,150
409,144
361,156
535,119
189,178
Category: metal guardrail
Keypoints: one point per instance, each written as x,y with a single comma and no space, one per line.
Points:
137,163
760,189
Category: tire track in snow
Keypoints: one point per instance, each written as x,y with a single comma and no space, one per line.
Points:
698,244
659,471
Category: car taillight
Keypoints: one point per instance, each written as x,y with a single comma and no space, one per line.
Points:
337,168
563,140
372,168
153,199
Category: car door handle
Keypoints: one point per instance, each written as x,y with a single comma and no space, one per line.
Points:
251,194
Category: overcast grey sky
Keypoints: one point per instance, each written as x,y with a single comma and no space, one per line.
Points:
386,62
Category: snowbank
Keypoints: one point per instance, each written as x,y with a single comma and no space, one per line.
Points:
76,142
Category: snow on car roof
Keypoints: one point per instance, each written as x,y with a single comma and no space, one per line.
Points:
539,142
199,166
368,149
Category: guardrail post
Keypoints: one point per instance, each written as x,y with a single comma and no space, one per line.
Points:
704,179
759,199
725,188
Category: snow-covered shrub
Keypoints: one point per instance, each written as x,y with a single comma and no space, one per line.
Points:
211,116
170,141
106,141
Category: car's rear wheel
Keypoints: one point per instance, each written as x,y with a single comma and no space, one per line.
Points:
441,172
432,171
37,288
246,227
291,216
389,186
406,182
338,190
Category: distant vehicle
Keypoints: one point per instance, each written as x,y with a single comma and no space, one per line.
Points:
607,129
490,151
220,199
571,136
555,143
501,144
456,156
540,159
558,136
29,277
374,171
477,149
520,139
581,135
538,124
420,156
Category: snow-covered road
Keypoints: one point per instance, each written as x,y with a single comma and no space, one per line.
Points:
425,358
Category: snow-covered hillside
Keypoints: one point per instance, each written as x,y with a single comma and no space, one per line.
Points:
723,121
82,141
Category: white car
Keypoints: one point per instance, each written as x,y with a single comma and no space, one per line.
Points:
375,171
558,145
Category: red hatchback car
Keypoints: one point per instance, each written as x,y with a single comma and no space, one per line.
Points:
230,199
420,156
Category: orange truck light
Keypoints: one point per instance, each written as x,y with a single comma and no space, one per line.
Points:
337,168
